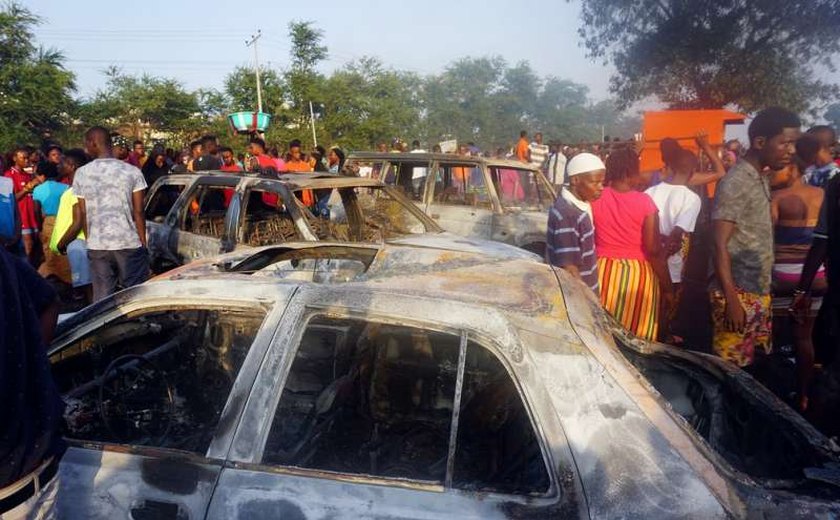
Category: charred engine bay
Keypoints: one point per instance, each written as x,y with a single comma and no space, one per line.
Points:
745,431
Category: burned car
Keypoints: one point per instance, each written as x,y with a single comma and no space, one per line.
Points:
400,381
197,216
493,199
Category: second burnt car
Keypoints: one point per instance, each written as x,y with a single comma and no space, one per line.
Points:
403,381
492,199
189,217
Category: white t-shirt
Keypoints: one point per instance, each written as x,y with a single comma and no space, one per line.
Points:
107,187
557,169
678,207
419,173
539,153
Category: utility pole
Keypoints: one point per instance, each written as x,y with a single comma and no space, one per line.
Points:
249,43
312,121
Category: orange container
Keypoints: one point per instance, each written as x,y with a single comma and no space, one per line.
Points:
683,125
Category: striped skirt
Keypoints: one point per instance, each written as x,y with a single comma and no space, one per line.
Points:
630,292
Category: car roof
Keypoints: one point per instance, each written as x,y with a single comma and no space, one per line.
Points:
293,180
516,281
442,157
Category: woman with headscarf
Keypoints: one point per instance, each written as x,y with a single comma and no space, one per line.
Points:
632,273
155,167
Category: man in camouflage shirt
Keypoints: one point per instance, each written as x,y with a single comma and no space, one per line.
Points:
743,239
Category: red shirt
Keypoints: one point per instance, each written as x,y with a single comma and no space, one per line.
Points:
619,222
26,206
232,168
266,161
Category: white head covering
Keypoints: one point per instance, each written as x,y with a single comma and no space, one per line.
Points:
584,163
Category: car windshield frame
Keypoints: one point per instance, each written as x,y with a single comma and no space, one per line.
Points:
430,226
540,182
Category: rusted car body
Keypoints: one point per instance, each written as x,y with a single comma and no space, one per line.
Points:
198,216
493,199
392,381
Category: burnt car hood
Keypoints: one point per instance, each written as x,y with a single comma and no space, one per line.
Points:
452,242
765,459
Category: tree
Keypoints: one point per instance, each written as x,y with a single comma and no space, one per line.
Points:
463,102
709,54
302,80
365,103
562,110
143,104
241,90
35,88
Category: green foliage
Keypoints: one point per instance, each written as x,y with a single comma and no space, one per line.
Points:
483,100
139,104
35,89
365,103
240,91
708,54
302,80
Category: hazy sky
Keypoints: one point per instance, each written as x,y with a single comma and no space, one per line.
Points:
200,42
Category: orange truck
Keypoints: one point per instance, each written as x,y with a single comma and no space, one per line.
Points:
682,125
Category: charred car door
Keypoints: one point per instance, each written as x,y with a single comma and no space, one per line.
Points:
525,198
460,199
202,225
161,215
152,391
380,417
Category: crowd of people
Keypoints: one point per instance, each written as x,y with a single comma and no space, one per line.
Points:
763,248
76,215
754,230
750,228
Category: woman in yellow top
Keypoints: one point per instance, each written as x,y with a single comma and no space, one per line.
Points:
68,236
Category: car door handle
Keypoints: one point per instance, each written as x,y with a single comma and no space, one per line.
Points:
157,510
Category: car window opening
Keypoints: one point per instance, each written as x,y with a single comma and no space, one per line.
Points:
267,220
368,215
378,400
739,428
204,214
162,201
157,379
325,264
461,185
520,189
408,177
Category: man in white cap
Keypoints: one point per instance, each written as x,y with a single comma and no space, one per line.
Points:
570,243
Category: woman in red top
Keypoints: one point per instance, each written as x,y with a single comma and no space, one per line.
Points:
631,271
